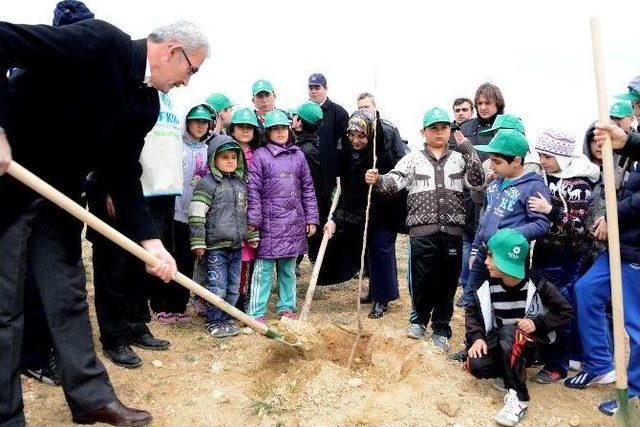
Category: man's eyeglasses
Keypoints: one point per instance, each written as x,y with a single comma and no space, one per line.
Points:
192,69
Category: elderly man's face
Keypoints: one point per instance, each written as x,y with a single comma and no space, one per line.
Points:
175,67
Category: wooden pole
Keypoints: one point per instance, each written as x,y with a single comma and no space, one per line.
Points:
304,313
613,237
55,196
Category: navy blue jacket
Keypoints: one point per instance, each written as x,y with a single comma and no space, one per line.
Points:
508,208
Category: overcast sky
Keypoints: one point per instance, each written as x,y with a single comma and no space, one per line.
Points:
411,55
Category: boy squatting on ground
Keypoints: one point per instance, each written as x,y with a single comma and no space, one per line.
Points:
218,224
509,314
435,178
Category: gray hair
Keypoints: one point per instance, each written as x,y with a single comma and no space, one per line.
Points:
188,34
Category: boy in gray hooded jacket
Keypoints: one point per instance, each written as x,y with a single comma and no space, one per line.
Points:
218,226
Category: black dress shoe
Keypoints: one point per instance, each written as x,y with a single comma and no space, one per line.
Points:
124,356
376,311
149,342
116,414
365,299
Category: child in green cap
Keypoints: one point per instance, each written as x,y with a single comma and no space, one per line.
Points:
435,178
506,201
508,315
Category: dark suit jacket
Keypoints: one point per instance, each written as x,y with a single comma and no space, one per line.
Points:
332,129
79,105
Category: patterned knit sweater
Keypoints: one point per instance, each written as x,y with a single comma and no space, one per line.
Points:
435,201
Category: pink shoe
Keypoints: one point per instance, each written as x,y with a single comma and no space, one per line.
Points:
166,318
182,317
288,314
262,320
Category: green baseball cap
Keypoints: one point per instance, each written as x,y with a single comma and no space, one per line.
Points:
504,121
621,109
508,142
509,249
276,118
435,115
219,102
199,112
632,95
244,116
310,112
229,146
261,86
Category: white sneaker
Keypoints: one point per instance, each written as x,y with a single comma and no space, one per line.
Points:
513,410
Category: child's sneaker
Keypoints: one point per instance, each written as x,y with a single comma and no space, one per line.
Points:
182,317
584,379
440,342
262,320
416,331
288,314
198,306
513,410
232,328
610,407
548,376
217,329
166,318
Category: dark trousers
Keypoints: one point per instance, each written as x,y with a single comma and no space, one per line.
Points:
435,267
563,270
161,297
508,350
172,297
383,270
53,248
37,343
121,299
122,286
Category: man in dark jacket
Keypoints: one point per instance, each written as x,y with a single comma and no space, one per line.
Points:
105,88
462,113
333,128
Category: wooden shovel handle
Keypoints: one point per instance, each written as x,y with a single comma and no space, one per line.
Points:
55,196
613,237
304,313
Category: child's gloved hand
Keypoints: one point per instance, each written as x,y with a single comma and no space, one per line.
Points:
198,253
311,230
527,326
478,349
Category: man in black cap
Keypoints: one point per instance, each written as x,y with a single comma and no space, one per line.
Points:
332,129
106,101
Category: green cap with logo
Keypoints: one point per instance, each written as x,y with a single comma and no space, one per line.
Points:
504,121
435,115
621,109
508,142
261,86
244,116
276,118
509,249
219,102
199,112
310,112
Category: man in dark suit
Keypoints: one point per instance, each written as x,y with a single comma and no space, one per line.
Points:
102,89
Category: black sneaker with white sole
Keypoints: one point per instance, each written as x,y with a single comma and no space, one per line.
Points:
47,374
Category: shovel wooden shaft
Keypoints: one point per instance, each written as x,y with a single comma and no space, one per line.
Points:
55,196
613,237
304,313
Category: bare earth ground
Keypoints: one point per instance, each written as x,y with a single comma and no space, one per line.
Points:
250,380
